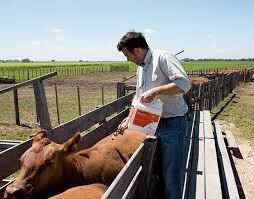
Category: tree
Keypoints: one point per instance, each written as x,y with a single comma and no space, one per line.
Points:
26,60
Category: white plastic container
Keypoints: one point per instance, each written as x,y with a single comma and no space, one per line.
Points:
145,117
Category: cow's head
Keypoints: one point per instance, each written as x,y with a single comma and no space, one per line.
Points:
41,166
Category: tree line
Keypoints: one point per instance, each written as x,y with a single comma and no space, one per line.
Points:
27,60
212,59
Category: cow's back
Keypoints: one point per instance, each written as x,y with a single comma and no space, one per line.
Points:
128,141
92,191
108,156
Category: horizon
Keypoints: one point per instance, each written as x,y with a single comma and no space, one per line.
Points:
65,30
183,59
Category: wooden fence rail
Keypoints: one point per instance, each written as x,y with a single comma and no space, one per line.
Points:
201,96
37,84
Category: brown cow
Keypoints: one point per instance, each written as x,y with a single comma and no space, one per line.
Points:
198,80
48,168
227,71
92,191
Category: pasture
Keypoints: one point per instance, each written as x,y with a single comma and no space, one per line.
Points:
25,71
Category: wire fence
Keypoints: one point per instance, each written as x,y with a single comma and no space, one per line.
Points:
64,103
62,72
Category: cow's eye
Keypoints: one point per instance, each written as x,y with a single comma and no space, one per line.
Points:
20,162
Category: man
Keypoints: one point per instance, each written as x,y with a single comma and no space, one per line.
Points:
160,75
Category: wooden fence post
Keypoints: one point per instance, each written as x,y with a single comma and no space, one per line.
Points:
146,185
57,106
120,89
201,96
216,91
79,105
41,105
213,92
28,74
210,84
16,106
102,95
222,87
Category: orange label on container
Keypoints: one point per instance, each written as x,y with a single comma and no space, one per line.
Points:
142,118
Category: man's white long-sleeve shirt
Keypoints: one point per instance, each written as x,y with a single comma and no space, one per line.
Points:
160,68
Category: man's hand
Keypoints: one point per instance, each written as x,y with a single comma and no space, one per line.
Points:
122,126
124,123
148,96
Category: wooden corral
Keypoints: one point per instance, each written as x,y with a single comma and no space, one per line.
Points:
106,118
207,171
9,158
205,93
204,176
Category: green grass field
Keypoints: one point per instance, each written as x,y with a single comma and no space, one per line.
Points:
36,65
203,65
24,71
190,65
239,113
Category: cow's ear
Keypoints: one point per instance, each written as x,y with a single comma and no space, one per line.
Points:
39,134
71,145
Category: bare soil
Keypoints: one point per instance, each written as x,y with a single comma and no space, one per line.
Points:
247,89
93,80
245,166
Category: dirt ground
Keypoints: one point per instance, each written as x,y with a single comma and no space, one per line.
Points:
245,166
92,80
89,80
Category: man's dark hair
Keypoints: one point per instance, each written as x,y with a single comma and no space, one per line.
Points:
132,40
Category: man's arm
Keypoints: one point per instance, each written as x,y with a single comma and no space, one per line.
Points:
180,82
167,89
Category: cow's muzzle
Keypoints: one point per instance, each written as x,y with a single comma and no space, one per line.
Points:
15,192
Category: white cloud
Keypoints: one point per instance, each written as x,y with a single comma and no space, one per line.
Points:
219,51
57,30
149,30
36,43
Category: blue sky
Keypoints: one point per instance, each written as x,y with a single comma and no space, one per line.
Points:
89,30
